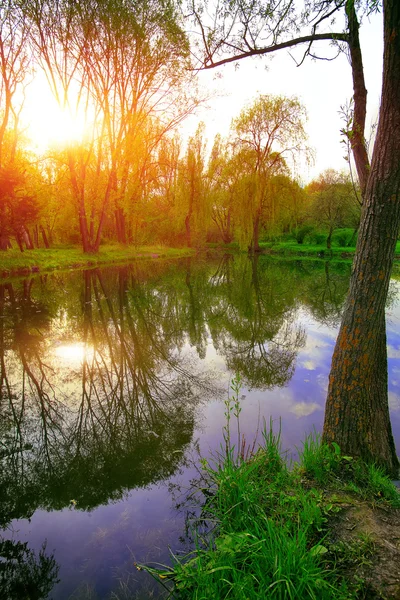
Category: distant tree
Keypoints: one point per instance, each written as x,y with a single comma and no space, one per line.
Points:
17,208
191,194
333,202
288,204
165,188
272,129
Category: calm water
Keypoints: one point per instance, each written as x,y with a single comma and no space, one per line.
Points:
110,380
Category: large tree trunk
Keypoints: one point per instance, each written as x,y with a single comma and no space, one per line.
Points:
357,411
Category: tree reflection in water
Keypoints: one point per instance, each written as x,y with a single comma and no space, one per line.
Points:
23,574
101,373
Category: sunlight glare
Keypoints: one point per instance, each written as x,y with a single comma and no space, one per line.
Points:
48,124
77,352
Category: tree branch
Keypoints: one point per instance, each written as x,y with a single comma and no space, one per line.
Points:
341,37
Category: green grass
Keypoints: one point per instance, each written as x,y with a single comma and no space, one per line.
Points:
325,465
14,262
268,533
292,248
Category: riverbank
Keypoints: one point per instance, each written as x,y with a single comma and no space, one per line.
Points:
327,527
14,263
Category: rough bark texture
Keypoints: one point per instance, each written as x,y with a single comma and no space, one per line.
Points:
356,135
357,412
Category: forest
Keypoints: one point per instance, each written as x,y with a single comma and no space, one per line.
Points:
132,177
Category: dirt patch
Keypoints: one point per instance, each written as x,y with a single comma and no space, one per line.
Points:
368,536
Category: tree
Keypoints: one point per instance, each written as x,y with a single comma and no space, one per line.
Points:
357,412
14,68
18,208
125,66
272,128
222,174
191,203
357,395
333,201
288,206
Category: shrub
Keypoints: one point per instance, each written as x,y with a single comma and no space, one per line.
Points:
301,232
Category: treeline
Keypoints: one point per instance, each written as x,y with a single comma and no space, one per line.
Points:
132,179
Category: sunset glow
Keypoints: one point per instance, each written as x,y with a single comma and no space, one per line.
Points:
48,124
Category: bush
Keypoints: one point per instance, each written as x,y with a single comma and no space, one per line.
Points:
342,237
317,238
301,232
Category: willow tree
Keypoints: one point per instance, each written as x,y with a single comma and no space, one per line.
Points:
357,411
191,204
272,128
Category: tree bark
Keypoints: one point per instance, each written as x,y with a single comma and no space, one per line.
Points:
357,411
188,231
356,135
44,236
255,246
329,239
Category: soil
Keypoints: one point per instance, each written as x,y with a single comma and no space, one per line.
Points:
377,574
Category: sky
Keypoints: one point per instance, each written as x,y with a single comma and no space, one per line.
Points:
323,87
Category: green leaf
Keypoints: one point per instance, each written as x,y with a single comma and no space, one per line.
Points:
318,550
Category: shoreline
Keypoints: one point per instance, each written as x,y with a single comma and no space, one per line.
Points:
41,261
14,264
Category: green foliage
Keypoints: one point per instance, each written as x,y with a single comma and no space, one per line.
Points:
343,238
355,553
301,232
326,464
316,238
265,541
269,530
266,134
319,460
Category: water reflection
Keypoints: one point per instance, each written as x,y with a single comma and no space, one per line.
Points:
23,574
77,415
103,373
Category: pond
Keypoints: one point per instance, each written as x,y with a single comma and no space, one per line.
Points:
112,381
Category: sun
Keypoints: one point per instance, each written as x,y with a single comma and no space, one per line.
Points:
47,124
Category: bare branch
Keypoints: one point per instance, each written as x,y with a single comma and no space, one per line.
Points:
341,37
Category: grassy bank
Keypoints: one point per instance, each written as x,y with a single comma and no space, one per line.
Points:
292,248
13,262
289,533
